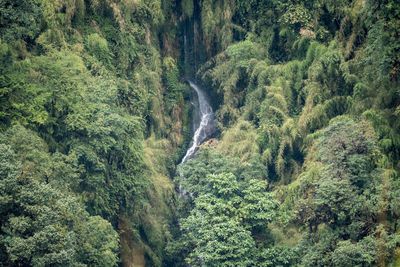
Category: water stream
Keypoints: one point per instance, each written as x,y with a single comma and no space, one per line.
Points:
205,128
203,115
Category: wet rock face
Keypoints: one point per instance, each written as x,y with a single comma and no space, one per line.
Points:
209,129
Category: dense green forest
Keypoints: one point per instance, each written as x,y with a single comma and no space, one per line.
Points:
96,116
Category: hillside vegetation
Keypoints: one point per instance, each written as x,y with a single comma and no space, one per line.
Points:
95,116
306,169
89,98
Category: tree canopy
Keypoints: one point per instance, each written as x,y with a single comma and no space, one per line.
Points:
96,116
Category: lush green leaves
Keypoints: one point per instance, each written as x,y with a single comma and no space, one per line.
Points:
93,78
42,226
229,207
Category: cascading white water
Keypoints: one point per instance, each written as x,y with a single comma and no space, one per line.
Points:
203,118
206,126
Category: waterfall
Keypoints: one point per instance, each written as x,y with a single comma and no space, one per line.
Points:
206,126
203,115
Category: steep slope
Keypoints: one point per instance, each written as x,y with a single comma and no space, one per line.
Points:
309,91
97,83
95,115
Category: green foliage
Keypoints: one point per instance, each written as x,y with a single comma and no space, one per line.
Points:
22,100
98,47
217,25
349,254
60,171
99,239
187,8
219,241
340,198
20,19
109,144
384,21
174,89
230,208
228,74
297,16
240,141
87,77
42,226
339,204
94,78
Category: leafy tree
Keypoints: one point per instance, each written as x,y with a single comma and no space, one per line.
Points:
21,19
219,242
98,47
41,226
187,8
95,78
229,209
343,199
